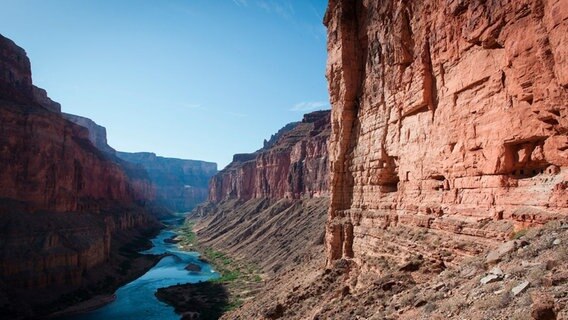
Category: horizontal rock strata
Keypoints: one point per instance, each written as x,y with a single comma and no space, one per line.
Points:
268,207
180,184
448,117
296,165
62,198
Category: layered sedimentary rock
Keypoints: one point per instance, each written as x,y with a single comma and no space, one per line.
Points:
292,167
268,207
180,184
448,116
50,164
97,133
62,200
449,135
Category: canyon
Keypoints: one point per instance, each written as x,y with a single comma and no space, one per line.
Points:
448,139
66,205
73,214
265,213
178,185
434,188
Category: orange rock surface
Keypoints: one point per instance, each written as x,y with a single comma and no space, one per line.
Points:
294,167
448,116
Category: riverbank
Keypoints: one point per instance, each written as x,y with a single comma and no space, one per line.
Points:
239,282
205,300
136,300
126,264
86,306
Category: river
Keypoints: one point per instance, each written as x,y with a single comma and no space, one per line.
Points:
136,300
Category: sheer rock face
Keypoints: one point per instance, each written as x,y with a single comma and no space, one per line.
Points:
448,116
61,199
15,72
16,77
180,184
296,165
97,133
50,164
269,207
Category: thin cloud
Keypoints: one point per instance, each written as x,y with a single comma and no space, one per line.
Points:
283,9
286,9
241,3
315,12
310,106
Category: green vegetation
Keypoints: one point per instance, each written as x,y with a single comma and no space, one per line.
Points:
186,235
240,279
233,305
218,256
228,277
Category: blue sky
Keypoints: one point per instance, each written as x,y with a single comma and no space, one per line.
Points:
195,79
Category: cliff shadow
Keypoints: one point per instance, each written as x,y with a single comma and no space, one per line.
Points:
203,300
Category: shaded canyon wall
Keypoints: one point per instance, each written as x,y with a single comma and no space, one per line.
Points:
62,199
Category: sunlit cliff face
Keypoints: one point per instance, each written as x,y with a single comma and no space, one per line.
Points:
448,117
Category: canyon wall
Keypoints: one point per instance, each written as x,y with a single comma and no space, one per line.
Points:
267,207
177,185
180,184
448,117
449,136
62,200
293,166
97,133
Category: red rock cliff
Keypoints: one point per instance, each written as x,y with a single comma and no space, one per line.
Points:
269,207
49,163
61,199
449,116
293,166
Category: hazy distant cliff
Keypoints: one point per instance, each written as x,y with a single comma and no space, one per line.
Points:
180,184
97,133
